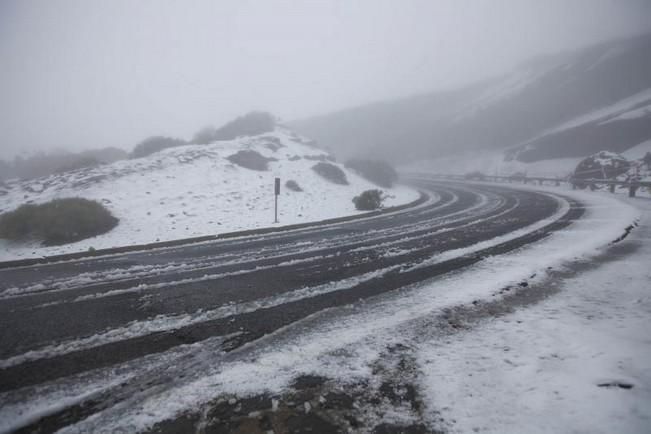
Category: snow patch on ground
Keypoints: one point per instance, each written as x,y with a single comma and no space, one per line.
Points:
540,369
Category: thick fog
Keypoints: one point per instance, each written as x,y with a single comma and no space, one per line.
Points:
88,74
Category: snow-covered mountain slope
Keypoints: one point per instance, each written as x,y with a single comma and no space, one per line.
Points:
195,190
616,127
559,106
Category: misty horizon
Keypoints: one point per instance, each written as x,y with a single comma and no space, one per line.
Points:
93,75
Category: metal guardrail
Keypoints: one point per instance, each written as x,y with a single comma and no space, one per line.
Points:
591,183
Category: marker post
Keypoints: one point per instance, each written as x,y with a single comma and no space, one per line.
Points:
276,193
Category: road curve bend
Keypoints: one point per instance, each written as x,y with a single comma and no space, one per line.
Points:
63,322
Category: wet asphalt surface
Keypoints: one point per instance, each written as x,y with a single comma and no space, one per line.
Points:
239,289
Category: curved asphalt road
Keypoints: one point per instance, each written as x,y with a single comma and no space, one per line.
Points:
61,322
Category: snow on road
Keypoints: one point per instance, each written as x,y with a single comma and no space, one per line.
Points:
540,373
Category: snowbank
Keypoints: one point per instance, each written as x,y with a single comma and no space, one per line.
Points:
564,365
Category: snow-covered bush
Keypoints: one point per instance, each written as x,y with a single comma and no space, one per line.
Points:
60,221
331,172
369,200
250,160
376,171
602,165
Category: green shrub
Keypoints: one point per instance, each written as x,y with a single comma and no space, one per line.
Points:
250,160
60,221
331,172
293,185
369,200
376,171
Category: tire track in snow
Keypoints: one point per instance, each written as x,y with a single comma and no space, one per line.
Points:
366,260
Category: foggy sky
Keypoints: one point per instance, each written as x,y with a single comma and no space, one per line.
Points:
87,74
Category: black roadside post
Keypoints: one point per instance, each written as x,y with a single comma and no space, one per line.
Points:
276,193
631,190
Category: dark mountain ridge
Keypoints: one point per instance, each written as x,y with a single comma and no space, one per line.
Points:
515,112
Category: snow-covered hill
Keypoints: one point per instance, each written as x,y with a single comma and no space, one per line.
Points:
195,190
567,105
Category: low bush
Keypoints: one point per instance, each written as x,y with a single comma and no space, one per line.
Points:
60,221
369,200
250,160
331,172
155,144
602,165
293,185
376,171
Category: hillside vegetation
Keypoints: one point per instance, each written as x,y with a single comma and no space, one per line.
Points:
57,222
